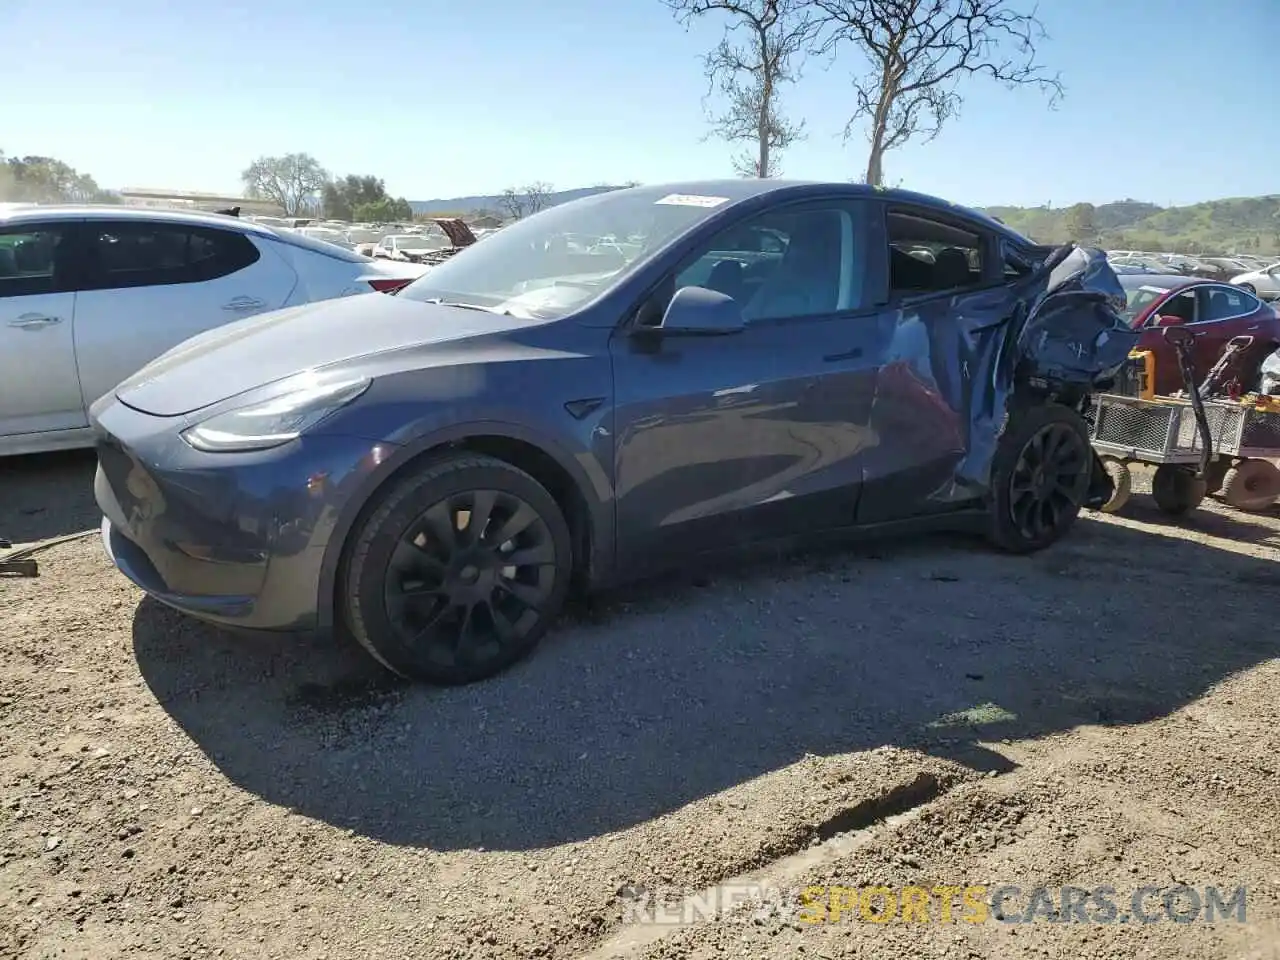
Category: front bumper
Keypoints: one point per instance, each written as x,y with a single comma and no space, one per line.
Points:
234,539
131,560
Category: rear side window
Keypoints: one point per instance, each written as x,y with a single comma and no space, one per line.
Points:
1225,303
930,255
31,261
156,254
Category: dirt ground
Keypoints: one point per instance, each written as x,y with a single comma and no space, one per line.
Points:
917,713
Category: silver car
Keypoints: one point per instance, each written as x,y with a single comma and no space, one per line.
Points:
88,295
1265,282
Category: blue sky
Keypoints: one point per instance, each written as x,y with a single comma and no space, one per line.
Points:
1171,102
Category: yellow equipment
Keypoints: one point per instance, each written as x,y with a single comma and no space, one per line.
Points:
1261,402
1146,361
1137,378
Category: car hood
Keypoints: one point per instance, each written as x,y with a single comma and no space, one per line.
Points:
459,234
257,351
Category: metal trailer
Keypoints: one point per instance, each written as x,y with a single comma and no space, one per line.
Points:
1163,431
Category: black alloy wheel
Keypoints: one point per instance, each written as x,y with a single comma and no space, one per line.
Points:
1046,486
472,576
1040,477
458,570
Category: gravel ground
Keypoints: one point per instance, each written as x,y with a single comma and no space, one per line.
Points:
1101,713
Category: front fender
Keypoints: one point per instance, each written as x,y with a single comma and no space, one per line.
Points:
582,466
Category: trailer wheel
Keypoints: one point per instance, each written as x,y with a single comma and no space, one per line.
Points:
1121,479
1251,485
1176,490
1216,475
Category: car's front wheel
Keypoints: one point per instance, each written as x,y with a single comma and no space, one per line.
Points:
458,570
1039,477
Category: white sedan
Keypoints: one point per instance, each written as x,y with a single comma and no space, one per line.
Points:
89,295
1265,282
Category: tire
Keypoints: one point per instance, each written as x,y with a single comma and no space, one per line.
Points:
1027,515
1251,485
1122,480
1176,490
454,616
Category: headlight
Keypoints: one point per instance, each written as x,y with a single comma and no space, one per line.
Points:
273,422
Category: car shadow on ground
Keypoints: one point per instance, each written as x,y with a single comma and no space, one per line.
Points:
652,698
48,495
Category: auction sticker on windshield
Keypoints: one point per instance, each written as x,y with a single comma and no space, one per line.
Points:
692,200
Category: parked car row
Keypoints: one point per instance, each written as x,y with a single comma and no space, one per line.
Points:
1257,275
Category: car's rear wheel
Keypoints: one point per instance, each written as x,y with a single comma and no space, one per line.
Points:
458,571
1039,478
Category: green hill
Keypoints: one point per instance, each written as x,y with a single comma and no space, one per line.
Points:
1235,225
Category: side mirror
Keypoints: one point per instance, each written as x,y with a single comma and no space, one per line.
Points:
697,311
1179,336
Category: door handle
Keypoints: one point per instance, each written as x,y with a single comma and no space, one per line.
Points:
243,303
1256,326
34,321
853,354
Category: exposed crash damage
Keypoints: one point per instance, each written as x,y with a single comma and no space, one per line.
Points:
959,372
458,234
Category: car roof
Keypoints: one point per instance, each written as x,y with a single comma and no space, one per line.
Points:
1166,281
745,188
58,211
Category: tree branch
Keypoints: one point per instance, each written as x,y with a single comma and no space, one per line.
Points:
918,52
761,50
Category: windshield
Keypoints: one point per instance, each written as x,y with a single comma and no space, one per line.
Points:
411,240
1139,298
554,262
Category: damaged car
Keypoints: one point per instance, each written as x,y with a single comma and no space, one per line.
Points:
428,247
433,472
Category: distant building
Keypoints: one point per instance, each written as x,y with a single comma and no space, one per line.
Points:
485,223
195,200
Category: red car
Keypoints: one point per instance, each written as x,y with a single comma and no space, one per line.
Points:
1216,311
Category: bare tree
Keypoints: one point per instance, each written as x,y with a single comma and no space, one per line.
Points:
512,203
292,182
536,196
918,52
750,72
